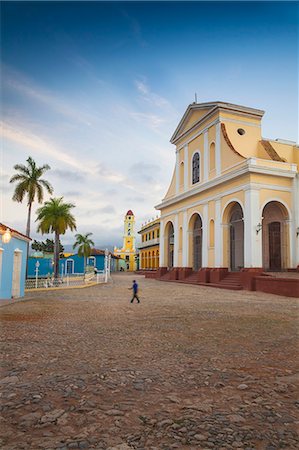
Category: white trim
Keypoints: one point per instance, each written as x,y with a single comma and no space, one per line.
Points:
218,150
205,255
186,175
218,244
290,219
73,265
241,122
247,166
161,245
232,200
253,241
296,220
199,133
191,168
243,187
177,172
176,242
206,156
185,240
278,200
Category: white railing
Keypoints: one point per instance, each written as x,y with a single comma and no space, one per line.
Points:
70,280
149,243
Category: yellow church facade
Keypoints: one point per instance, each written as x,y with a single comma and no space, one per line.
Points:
233,202
128,250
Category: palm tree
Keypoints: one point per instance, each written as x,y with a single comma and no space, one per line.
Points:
30,183
84,243
55,217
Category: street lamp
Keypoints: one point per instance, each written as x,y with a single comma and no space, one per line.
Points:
6,236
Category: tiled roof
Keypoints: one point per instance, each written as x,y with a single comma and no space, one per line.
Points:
271,151
3,228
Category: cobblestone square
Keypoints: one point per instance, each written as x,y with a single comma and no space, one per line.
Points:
189,367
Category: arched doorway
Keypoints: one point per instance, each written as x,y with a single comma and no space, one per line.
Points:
275,236
236,238
169,244
195,241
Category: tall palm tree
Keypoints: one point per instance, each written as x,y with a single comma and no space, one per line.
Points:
84,243
55,217
30,184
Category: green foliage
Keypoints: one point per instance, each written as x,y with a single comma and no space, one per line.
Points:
55,217
46,246
84,244
30,184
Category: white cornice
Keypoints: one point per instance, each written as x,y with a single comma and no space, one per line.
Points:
248,166
215,106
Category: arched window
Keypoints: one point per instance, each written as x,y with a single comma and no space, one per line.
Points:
212,233
181,174
212,157
195,168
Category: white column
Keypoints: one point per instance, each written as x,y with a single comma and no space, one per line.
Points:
176,241
218,149
294,242
177,172
161,245
185,239
205,236
252,239
206,156
218,235
186,167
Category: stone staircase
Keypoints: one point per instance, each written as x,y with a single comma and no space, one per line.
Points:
231,281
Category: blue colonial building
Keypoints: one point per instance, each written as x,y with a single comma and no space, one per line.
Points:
71,265
13,256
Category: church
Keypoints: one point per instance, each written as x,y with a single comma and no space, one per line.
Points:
233,201
128,250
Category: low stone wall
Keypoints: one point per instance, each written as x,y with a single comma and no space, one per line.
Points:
279,286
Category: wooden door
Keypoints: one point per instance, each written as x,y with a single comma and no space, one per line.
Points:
274,246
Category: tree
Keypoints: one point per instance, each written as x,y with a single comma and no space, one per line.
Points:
84,243
47,246
55,217
30,184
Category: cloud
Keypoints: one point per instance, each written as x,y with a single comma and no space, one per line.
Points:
151,97
108,209
30,140
152,120
145,172
72,194
67,175
18,83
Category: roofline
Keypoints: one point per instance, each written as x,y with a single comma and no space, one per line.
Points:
15,232
214,107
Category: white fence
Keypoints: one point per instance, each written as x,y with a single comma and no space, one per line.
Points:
71,280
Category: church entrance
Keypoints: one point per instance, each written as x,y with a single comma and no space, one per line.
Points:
197,243
236,238
274,246
275,237
170,245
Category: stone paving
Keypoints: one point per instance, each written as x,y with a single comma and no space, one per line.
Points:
189,367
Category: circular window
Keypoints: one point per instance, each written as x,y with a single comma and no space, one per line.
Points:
241,131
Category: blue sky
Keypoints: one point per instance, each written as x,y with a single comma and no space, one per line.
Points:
96,89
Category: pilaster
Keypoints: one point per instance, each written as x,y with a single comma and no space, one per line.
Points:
218,235
252,238
205,236
218,149
206,156
176,241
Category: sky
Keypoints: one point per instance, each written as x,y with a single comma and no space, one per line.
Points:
96,89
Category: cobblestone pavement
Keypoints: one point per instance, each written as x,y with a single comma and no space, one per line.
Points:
189,367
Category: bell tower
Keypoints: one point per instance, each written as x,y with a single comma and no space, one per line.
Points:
129,232
128,251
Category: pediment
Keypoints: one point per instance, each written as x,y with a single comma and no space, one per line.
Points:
194,114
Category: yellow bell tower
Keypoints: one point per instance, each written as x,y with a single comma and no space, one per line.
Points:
128,251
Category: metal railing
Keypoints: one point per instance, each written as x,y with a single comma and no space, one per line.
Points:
69,280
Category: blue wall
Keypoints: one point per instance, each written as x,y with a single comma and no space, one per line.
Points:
6,272
46,266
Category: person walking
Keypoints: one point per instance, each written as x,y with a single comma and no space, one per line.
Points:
135,290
